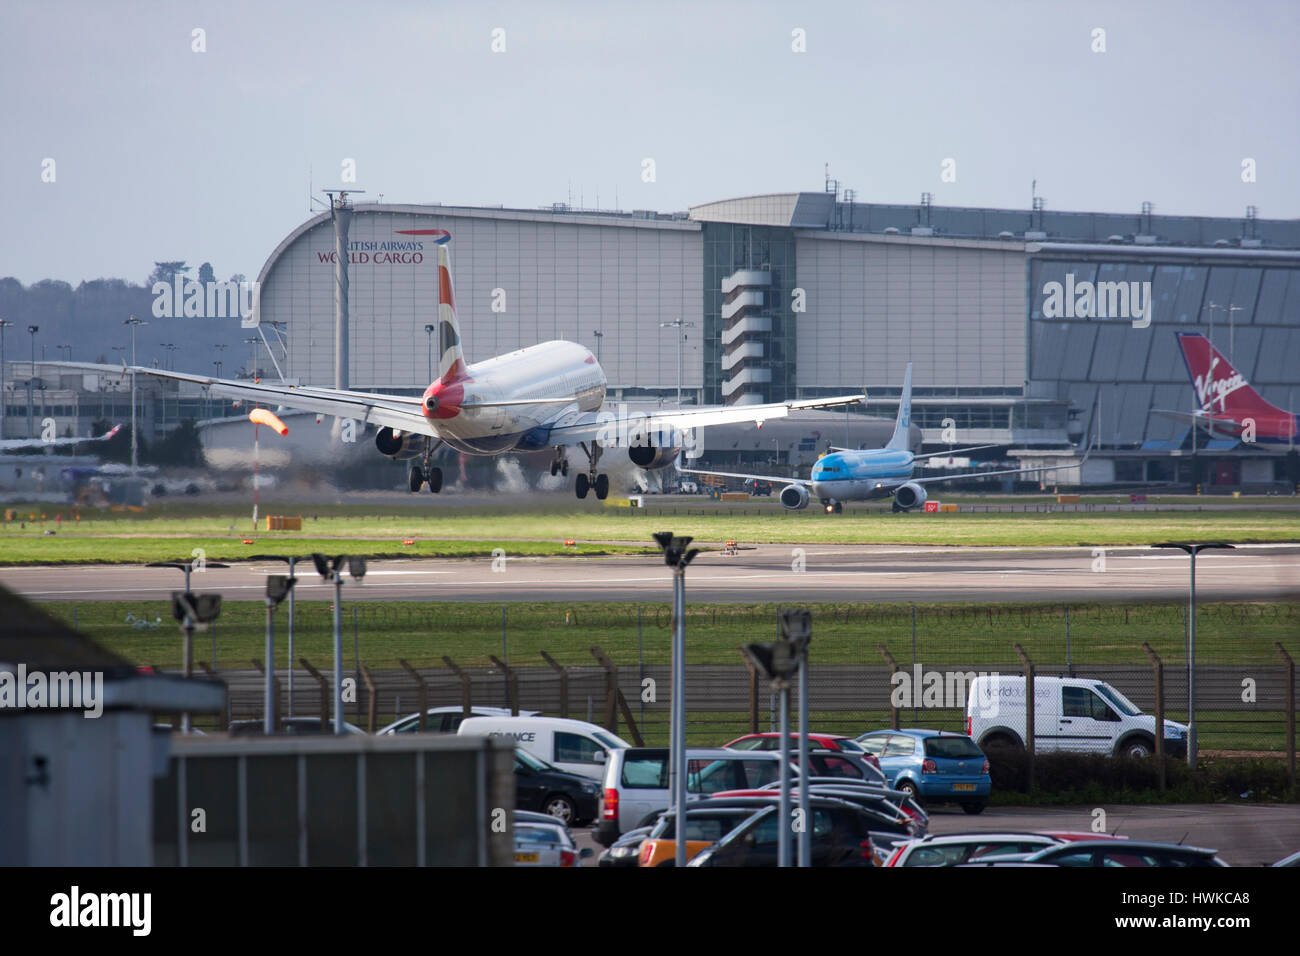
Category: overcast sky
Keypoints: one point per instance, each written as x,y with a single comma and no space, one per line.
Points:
161,152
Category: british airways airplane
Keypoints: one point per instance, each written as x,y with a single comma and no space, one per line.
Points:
546,395
869,474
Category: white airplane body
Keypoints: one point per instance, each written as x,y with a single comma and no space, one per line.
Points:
9,444
869,474
546,395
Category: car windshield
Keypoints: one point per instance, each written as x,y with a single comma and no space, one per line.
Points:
613,743
850,746
1122,703
952,748
533,763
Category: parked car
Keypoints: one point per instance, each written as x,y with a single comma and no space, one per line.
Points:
771,740
954,849
636,780
904,801
1111,853
545,843
572,799
446,720
933,765
296,726
626,850
840,836
1076,714
707,822
572,745
1292,860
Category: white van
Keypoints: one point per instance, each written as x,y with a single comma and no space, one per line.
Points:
572,745
1076,714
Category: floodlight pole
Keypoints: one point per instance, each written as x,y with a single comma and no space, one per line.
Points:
291,560
268,716
1192,551
783,811
338,651
677,557
805,838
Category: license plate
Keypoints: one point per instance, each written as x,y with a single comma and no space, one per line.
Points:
525,857
963,786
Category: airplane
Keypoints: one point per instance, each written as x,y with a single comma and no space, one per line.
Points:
1226,405
15,443
870,474
547,395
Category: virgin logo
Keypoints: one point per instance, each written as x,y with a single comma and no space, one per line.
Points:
1210,390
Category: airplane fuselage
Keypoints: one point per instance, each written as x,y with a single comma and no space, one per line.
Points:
850,475
546,372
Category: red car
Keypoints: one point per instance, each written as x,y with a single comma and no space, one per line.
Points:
772,741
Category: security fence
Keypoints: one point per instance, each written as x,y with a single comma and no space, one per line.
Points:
1242,678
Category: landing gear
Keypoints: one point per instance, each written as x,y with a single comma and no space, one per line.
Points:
425,471
560,466
833,507
590,480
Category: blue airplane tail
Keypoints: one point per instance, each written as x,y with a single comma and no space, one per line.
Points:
901,440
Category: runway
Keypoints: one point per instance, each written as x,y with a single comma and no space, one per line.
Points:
783,573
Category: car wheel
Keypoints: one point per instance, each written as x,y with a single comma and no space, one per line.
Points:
999,742
909,787
559,806
1137,748
973,808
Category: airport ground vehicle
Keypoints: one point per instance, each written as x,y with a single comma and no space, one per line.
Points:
771,740
840,835
933,765
759,486
571,745
954,849
1132,853
446,720
543,841
688,488
572,799
1077,714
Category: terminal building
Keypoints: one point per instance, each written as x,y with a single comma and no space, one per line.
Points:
794,295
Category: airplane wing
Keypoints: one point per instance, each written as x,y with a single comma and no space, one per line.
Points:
731,474
577,427
56,442
402,412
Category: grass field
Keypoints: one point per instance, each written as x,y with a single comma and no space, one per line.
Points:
169,532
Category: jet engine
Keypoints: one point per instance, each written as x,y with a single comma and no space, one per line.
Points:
795,497
909,496
648,456
399,445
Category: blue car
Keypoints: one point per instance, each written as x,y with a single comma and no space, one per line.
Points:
932,765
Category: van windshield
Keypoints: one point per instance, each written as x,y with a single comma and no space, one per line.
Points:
1122,703
611,743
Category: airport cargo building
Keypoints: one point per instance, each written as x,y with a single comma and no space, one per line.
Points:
793,295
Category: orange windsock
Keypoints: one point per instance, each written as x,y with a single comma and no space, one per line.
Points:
262,416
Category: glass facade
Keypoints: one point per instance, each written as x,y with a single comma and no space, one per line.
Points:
1115,374
729,248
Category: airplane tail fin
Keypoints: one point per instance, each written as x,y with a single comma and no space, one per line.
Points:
901,440
1219,387
451,360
